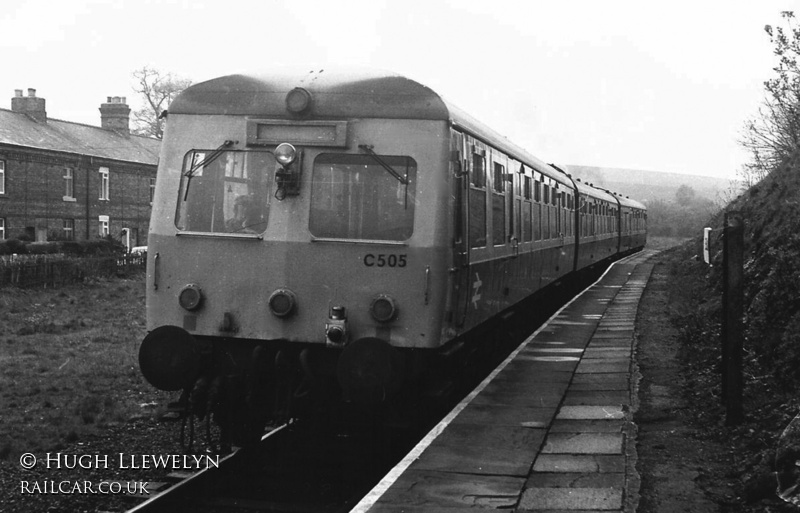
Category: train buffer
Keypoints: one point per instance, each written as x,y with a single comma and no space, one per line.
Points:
551,429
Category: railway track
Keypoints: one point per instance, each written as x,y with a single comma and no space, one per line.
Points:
186,483
297,467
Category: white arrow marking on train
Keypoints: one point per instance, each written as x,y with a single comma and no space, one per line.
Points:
477,286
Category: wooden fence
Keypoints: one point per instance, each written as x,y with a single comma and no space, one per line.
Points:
57,270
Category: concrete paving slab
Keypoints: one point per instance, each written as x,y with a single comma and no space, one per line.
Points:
497,460
600,499
598,366
600,386
611,342
588,426
573,480
535,372
499,393
404,508
583,443
573,463
601,379
485,435
614,334
503,416
422,488
601,353
598,412
597,398
567,362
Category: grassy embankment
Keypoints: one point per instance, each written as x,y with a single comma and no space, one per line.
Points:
69,362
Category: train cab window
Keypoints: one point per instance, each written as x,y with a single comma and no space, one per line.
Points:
355,197
225,191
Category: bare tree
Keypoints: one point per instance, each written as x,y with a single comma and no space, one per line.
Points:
157,90
773,135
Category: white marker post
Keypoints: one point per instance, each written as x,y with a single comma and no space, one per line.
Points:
706,236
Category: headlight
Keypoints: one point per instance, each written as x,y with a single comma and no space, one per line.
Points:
285,154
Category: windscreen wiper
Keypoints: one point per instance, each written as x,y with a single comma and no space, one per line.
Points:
208,159
368,150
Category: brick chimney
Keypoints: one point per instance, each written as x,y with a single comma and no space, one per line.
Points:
30,105
115,115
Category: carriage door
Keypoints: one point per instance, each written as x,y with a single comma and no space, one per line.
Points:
515,207
471,208
459,165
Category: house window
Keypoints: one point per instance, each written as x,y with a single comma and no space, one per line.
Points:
2,176
103,226
152,189
104,183
69,229
69,184
2,228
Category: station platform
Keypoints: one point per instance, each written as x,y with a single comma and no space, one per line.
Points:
550,429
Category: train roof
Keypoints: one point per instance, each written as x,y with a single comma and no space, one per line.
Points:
335,95
343,93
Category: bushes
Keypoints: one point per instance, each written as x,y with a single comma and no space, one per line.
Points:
96,247
13,246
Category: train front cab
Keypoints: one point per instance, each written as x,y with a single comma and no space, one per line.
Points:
322,271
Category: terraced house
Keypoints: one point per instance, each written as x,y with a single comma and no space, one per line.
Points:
61,180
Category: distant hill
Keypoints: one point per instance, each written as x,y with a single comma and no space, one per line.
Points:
647,186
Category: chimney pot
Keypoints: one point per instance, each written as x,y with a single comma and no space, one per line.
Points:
32,106
114,115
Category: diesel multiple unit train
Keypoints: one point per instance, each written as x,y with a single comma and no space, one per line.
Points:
341,230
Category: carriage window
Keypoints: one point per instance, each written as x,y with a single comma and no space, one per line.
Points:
477,202
478,175
499,177
225,192
499,206
354,197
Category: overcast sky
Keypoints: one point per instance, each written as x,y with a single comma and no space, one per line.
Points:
662,86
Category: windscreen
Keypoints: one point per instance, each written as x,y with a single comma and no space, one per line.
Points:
366,197
225,191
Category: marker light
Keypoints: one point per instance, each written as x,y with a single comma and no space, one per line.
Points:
336,327
190,297
285,153
282,302
335,334
298,100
